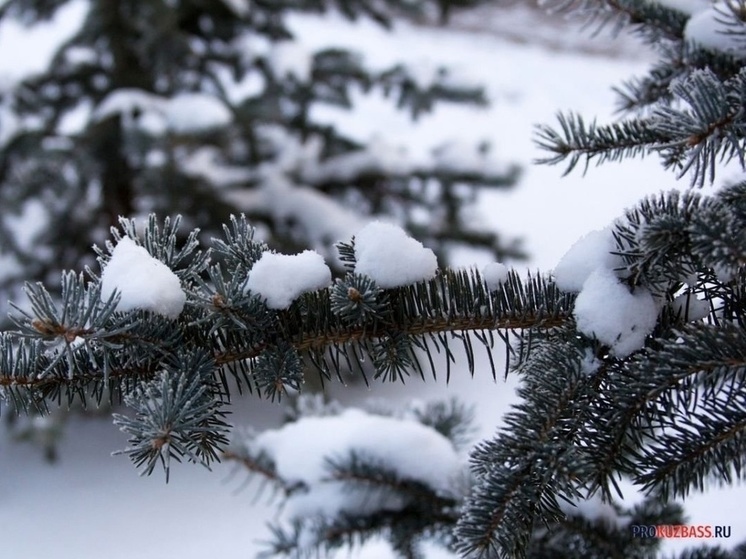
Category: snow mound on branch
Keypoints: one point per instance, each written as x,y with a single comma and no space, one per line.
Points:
495,274
607,310
238,7
690,307
460,157
187,112
689,7
591,252
425,73
193,112
708,30
378,156
207,163
288,58
127,101
142,281
594,509
323,219
282,278
390,257
301,450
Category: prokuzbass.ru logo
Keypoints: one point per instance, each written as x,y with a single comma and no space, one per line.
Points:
679,531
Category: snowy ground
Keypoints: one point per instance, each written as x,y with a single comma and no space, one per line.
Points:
91,505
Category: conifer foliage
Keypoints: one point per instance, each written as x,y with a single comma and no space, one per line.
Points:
631,353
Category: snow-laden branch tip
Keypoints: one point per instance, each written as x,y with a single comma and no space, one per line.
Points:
592,251
689,7
389,256
606,308
301,452
608,311
183,113
715,28
143,282
281,278
495,274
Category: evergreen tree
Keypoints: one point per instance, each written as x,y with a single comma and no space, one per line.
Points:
631,354
202,108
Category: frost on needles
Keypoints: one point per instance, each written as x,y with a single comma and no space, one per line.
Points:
586,404
630,355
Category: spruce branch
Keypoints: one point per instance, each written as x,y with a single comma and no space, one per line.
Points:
537,459
86,348
711,552
692,139
705,131
378,483
652,21
344,495
603,535
676,61
708,447
258,465
177,415
586,416
577,141
693,404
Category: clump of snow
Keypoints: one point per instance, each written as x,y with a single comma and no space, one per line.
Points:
389,256
187,112
27,49
425,73
495,274
690,307
605,308
378,156
689,7
237,88
207,162
157,158
142,281
282,278
321,220
707,29
589,364
594,509
608,311
128,102
300,451
28,225
78,56
193,112
463,157
591,252
75,120
238,7
289,58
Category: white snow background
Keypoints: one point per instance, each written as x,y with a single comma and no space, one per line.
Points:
91,505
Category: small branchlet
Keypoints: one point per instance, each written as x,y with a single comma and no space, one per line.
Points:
357,298
392,357
278,370
177,415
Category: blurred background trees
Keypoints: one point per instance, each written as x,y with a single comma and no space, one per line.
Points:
205,108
